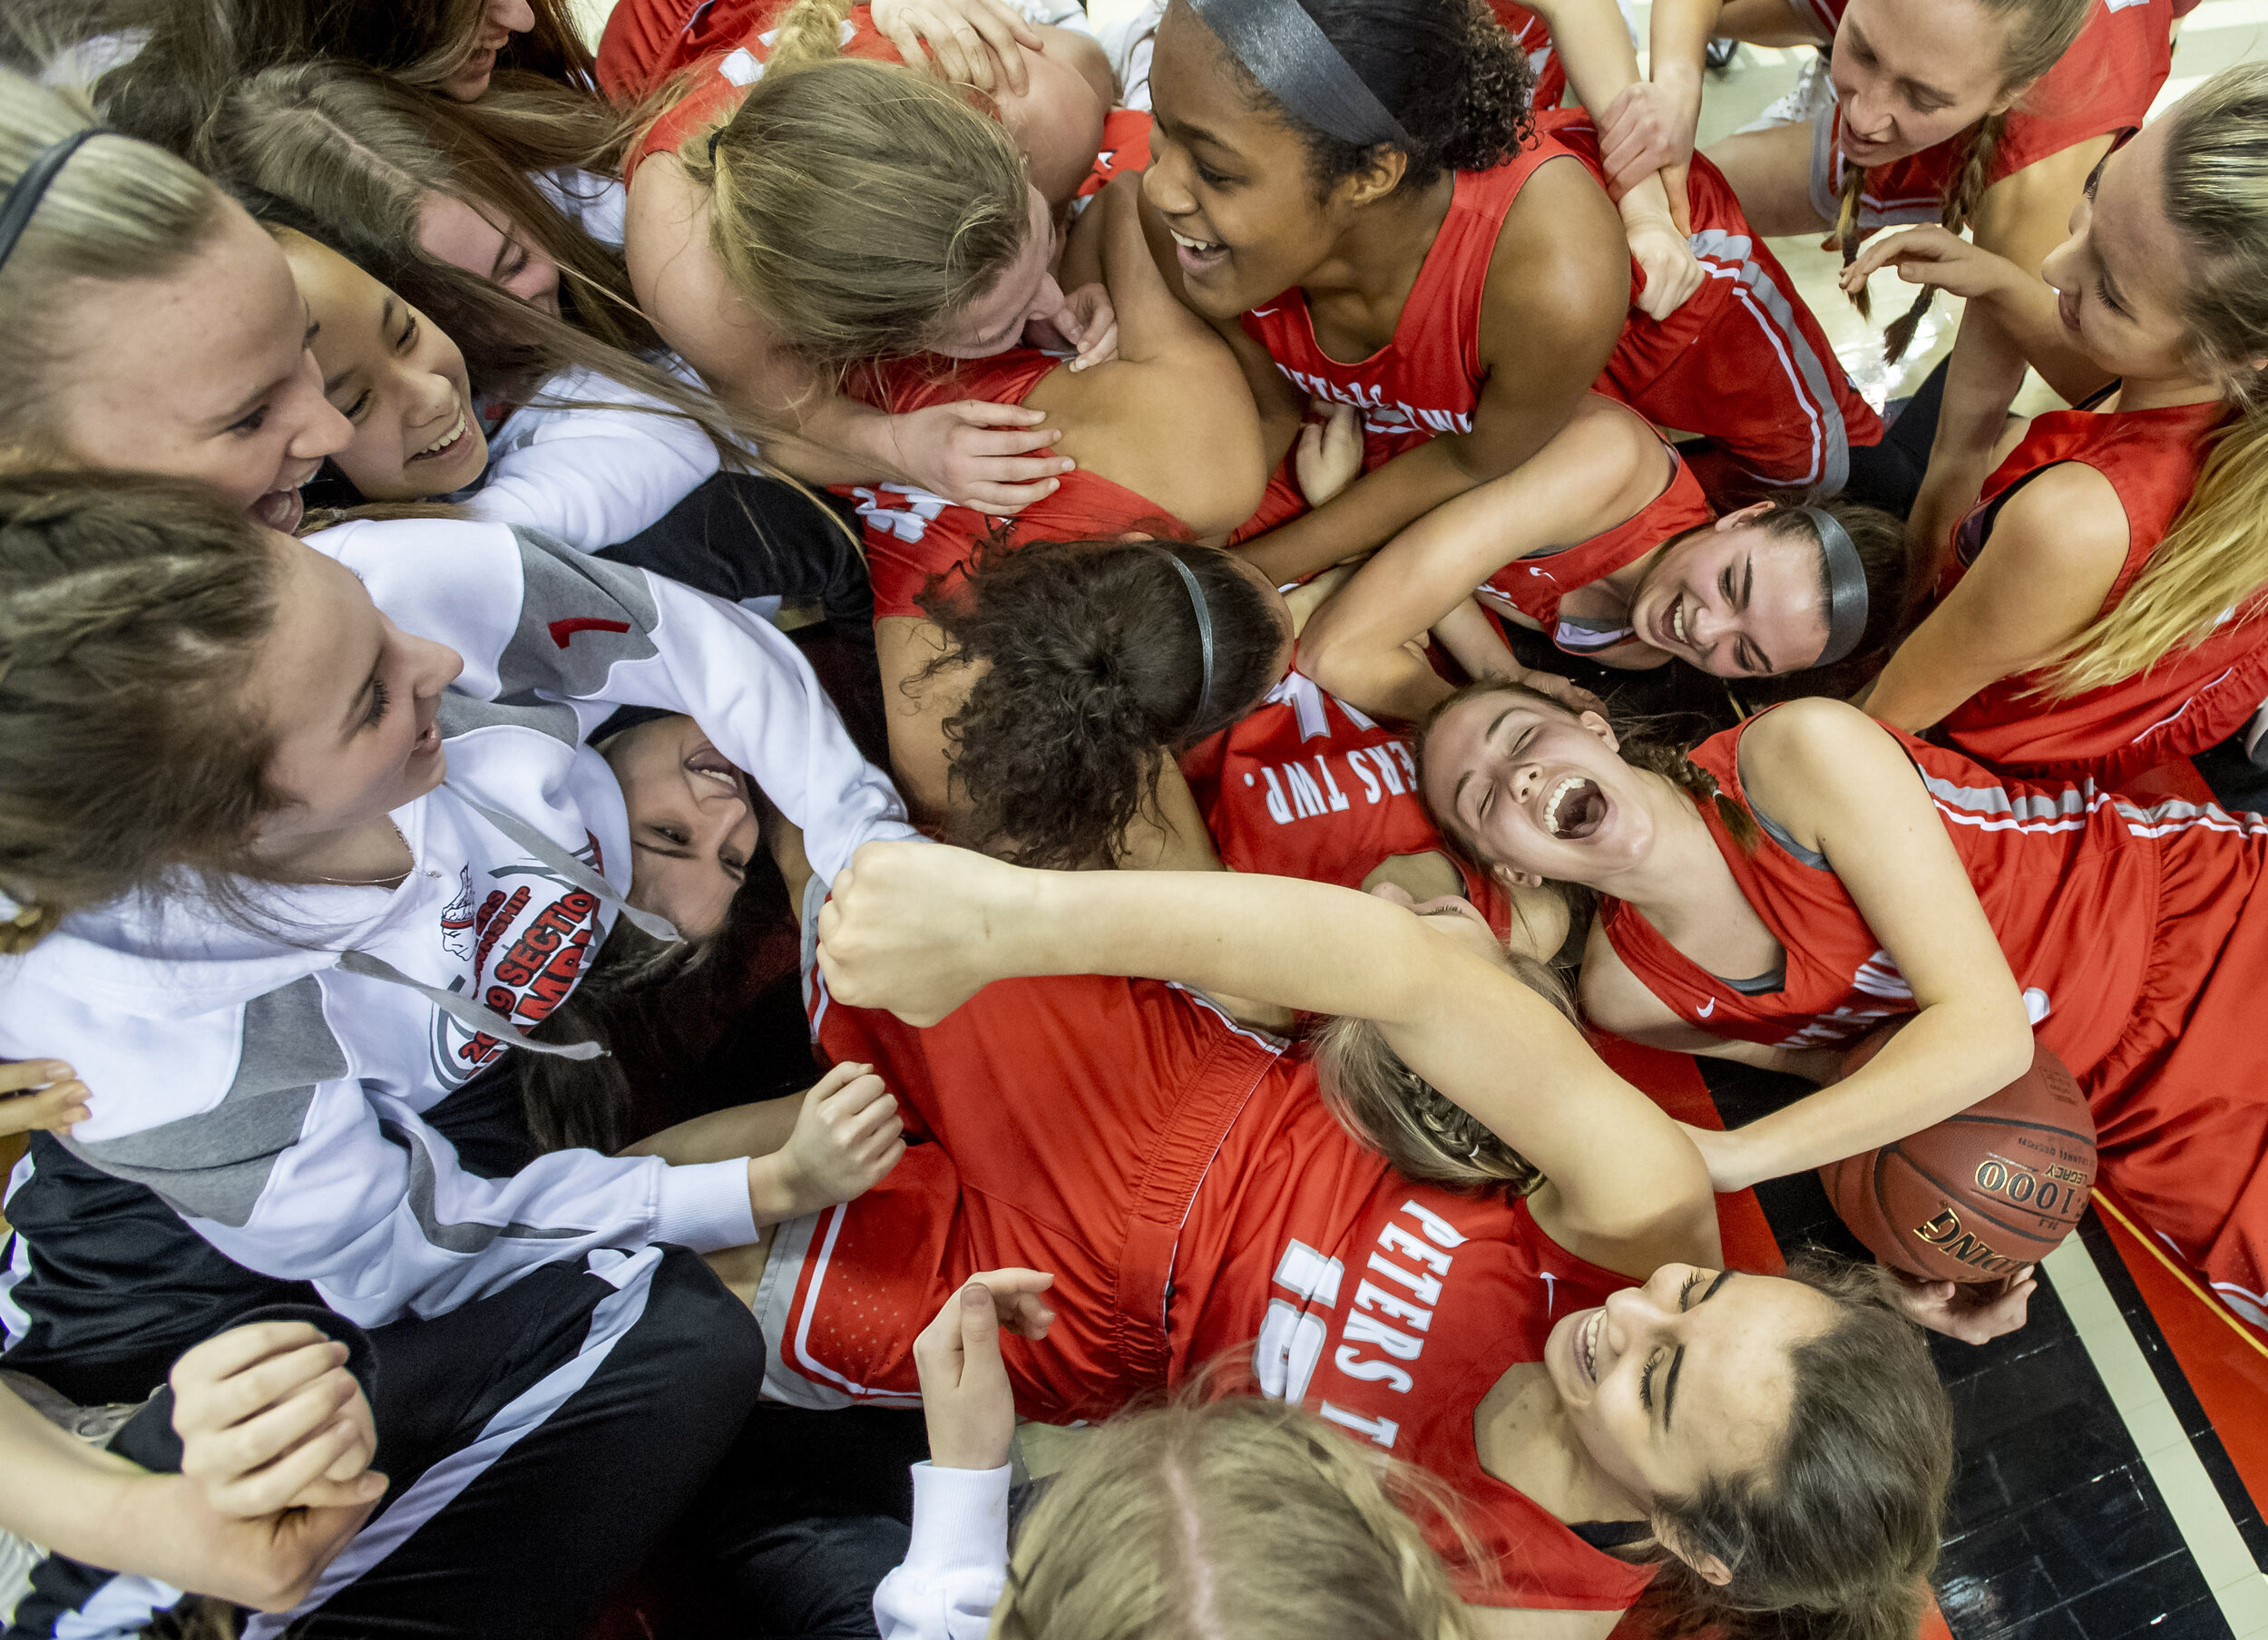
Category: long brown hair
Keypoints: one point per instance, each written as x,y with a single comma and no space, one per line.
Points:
2039,32
363,155
196,49
132,609
857,206
2214,560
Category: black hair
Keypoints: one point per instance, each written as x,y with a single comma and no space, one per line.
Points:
1091,679
1458,84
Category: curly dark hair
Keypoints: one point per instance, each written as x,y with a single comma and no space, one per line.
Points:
1090,678
1445,69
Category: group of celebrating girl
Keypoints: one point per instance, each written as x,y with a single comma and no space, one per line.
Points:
1212,476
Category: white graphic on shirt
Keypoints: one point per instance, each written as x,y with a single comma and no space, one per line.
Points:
1379,415
898,510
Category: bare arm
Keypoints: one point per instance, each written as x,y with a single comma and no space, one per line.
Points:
1558,292
1846,788
919,930
2056,551
1600,469
2022,218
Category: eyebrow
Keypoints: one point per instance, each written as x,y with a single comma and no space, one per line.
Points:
1495,723
1669,1384
667,853
1858,38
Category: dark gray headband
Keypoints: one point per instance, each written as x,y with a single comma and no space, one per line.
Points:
1204,636
1281,47
1846,587
31,188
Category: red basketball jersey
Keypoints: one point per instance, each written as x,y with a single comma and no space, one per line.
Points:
1534,37
1306,785
2191,700
911,534
1743,360
1386,1307
2139,933
1534,586
2105,83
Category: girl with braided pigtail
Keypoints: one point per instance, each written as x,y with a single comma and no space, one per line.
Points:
2101,612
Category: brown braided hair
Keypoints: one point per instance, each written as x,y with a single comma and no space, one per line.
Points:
2039,33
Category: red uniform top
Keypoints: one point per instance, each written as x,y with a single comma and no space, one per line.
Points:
1388,1308
1125,150
2105,83
1743,360
2191,700
2138,933
912,534
1305,785
1534,36
1534,586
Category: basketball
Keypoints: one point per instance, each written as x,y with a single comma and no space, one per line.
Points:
1980,1194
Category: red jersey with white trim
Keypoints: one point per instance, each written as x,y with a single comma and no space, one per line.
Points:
2137,931
1388,1308
1534,36
1534,586
1306,785
2104,84
1125,150
912,534
2191,699
1743,360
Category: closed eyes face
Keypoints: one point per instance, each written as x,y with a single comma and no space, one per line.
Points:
487,242
205,373
1684,1378
400,382
1734,600
692,827
353,701
1231,179
1023,294
1535,789
1912,73
2118,292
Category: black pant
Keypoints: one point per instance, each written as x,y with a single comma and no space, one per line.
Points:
1889,474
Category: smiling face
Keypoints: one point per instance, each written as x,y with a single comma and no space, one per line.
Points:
1735,599
204,375
1537,791
1912,73
1684,1378
1231,180
397,380
351,699
2118,292
1024,293
693,828
500,20
488,244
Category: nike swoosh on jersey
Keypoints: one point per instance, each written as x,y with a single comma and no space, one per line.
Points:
1707,1007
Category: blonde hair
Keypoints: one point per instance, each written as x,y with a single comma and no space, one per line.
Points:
1237,1515
2214,559
119,210
362,154
857,206
2039,32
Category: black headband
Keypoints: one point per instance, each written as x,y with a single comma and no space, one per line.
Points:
1204,636
1846,587
1281,47
31,188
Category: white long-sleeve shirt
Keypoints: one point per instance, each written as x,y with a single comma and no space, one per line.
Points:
581,462
957,1565
271,1086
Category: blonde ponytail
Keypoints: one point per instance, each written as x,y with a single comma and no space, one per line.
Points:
120,209
857,206
2214,563
1239,1516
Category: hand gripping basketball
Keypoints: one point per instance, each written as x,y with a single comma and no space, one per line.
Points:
1980,1194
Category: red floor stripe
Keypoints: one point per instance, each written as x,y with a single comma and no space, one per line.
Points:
2226,1362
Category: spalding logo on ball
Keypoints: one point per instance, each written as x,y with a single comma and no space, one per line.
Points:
1980,1194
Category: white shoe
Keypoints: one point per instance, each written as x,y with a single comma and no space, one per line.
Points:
1813,95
